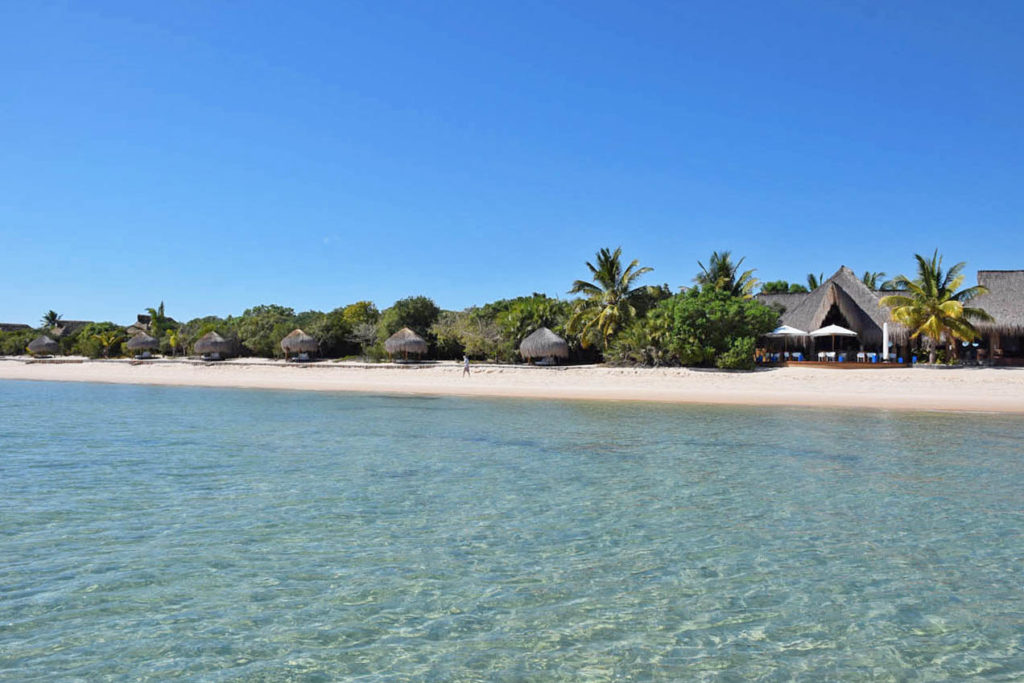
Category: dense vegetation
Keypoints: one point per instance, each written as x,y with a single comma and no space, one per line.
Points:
616,318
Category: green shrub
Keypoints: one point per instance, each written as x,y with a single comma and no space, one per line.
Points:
740,355
14,343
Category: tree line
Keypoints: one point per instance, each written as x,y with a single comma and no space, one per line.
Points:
713,323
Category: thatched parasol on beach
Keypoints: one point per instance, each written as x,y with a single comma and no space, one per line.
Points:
543,343
43,346
298,341
405,341
212,344
143,342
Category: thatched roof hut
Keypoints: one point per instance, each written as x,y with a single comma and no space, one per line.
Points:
405,341
212,344
543,343
43,346
844,293
1004,301
66,328
298,341
143,342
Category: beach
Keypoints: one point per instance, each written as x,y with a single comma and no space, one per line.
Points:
997,390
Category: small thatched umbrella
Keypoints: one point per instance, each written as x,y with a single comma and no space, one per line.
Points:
405,341
213,345
298,341
543,343
143,342
43,346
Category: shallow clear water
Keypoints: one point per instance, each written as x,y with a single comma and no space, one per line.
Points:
150,532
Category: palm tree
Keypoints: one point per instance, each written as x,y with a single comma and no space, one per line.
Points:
871,280
107,340
721,273
814,282
932,305
611,298
172,339
157,320
51,319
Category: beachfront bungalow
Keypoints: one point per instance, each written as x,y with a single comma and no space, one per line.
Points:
299,343
142,344
212,346
845,300
405,341
144,323
544,344
1002,341
43,346
842,300
66,328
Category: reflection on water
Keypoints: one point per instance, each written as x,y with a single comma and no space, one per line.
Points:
158,532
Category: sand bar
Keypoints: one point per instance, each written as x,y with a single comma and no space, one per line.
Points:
958,389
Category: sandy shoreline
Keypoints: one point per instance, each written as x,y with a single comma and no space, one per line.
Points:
962,390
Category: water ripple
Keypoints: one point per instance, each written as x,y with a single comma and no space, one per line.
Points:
152,532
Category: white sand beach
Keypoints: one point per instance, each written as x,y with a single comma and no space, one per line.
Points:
920,388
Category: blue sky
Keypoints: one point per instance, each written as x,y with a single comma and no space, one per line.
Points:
221,155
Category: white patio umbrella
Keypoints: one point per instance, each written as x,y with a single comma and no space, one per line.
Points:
785,331
833,331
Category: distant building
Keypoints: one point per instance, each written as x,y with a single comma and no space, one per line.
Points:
845,300
144,323
66,328
1004,337
13,327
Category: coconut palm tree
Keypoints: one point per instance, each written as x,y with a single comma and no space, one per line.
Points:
871,279
51,319
157,320
107,340
933,304
172,339
721,273
611,298
814,282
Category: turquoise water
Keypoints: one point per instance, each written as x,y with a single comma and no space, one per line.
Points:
150,532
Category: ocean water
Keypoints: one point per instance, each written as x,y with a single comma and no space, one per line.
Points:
152,533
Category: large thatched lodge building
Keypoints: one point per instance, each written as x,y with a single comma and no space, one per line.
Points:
845,300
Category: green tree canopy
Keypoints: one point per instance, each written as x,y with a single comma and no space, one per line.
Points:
261,329
611,299
775,287
723,274
418,313
95,340
714,327
361,313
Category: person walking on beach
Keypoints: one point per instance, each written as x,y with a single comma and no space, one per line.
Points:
465,365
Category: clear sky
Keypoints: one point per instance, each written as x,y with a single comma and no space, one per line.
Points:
219,155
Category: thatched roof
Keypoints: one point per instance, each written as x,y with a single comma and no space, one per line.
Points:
212,342
782,302
13,327
298,341
1004,301
858,304
405,341
142,342
43,346
68,327
543,343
